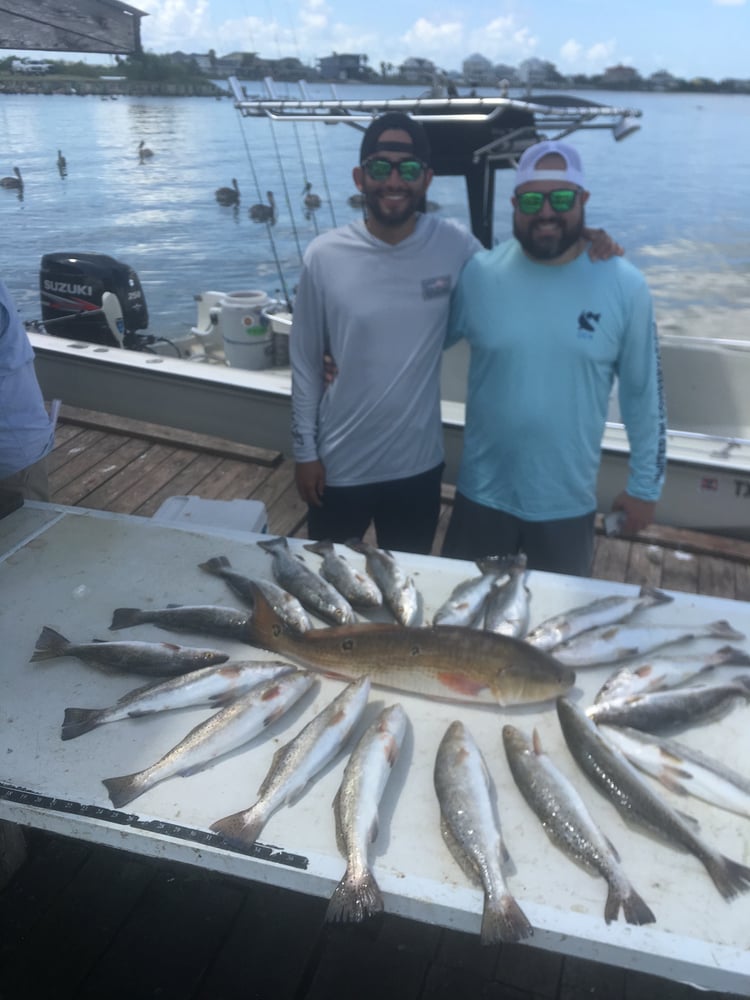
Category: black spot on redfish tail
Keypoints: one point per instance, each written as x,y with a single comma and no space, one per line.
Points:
264,627
50,644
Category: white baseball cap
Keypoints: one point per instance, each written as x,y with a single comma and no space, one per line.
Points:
527,165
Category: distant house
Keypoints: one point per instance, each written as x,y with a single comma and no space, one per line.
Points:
662,80
415,70
343,66
478,70
621,76
30,66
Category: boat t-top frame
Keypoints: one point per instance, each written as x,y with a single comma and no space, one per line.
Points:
469,136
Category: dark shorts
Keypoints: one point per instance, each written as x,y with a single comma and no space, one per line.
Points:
564,546
405,512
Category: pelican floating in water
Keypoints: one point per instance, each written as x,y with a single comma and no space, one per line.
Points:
264,213
311,199
228,195
62,163
143,151
12,182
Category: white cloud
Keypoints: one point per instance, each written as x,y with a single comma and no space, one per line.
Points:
503,40
575,57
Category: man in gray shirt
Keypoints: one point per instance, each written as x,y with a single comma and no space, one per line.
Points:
375,295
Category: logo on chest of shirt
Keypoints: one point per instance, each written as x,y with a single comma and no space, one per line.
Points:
434,288
587,322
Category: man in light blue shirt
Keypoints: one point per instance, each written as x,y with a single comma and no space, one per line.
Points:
26,430
549,332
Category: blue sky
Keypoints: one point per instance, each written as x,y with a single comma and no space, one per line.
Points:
686,37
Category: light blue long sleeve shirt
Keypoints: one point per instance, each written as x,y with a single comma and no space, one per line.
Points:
26,433
547,342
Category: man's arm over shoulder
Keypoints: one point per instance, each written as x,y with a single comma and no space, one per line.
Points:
641,391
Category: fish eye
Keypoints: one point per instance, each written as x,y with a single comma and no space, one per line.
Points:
276,630
348,645
415,651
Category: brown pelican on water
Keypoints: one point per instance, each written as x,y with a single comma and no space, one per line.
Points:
62,164
228,195
143,151
264,213
12,182
311,199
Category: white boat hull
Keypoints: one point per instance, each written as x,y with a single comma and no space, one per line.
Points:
708,479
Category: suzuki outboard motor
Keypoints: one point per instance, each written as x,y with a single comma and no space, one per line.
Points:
92,297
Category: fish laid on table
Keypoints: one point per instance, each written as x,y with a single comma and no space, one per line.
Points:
682,769
677,708
506,608
568,823
284,604
315,593
210,619
610,771
662,672
226,730
399,591
357,896
212,686
358,588
601,612
445,661
153,659
466,602
295,764
471,832
612,643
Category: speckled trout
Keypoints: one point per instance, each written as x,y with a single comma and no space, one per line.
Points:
568,823
472,834
614,776
450,663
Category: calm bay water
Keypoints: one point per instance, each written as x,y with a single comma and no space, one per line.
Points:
674,194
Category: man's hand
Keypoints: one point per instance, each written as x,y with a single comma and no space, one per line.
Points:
602,245
310,478
638,513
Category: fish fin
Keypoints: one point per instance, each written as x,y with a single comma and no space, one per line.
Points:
264,625
241,828
356,898
656,596
691,821
319,548
635,910
503,920
723,630
461,684
615,852
50,644
124,618
78,721
731,656
729,877
216,565
124,788
356,544
536,742
669,777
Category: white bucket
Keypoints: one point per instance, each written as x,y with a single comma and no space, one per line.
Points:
244,329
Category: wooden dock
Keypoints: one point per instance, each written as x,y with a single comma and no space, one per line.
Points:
80,921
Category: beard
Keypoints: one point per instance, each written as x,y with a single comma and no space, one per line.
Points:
547,246
391,216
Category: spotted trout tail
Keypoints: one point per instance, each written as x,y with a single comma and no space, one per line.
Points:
78,721
50,644
216,565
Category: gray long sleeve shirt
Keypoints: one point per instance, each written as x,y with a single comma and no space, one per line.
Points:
381,310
